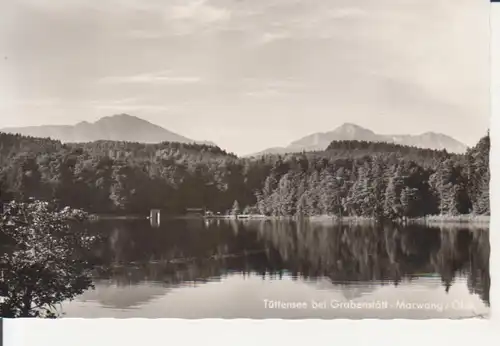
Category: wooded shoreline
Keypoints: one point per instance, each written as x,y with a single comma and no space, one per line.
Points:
431,219
350,178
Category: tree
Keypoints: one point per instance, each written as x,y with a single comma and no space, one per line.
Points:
312,195
236,208
264,199
392,205
47,262
450,186
409,202
360,200
4,194
479,176
287,195
330,198
302,205
27,179
249,210
482,203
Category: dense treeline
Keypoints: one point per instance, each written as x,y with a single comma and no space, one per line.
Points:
379,180
426,158
120,177
384,183
350,178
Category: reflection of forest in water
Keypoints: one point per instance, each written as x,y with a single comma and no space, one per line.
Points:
190,252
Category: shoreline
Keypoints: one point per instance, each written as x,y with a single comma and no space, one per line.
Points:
466,218
431,219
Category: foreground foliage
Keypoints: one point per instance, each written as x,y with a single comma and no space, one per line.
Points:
44,262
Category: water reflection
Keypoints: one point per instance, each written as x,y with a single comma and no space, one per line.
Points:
145,264
386,254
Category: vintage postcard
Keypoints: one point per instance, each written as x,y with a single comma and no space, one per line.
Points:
263,159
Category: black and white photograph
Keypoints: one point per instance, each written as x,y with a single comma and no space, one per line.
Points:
245,159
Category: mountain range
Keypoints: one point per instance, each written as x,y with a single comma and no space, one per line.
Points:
124,127
120,127
319,141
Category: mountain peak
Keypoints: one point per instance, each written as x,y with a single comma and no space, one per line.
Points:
434,134
121,118
351,128
118,127
83,123
349,131
350,125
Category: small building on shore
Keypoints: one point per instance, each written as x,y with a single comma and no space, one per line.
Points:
154,217
195,211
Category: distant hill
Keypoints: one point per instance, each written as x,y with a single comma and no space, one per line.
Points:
321,140
121,127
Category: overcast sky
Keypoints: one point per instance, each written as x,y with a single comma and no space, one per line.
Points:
249,74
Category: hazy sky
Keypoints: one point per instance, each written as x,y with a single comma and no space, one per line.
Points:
249,74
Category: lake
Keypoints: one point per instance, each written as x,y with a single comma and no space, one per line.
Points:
286,269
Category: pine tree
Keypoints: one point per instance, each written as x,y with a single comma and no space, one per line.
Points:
482,205
120,189
265,198
359,193
329,197
479,176
236,208
409,202
392,203
378,187
302,205
312,196
28,180
368,202
286,195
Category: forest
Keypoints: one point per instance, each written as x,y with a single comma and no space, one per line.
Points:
349,178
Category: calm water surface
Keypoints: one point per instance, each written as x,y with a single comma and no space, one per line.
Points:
286,269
